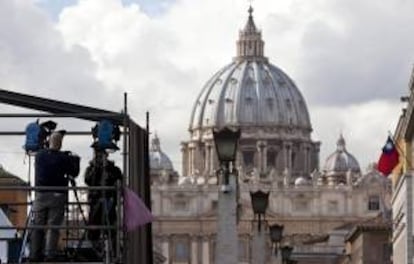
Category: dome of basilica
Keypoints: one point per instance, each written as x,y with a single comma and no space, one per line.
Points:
262,101
158,159
250,91
341,161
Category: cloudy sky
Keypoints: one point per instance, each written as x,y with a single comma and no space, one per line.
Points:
351,59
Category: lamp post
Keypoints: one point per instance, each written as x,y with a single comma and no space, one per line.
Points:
226,141
260,201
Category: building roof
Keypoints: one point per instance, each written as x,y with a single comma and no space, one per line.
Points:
378,223
7,178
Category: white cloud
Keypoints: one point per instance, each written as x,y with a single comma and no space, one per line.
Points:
350,59
364,126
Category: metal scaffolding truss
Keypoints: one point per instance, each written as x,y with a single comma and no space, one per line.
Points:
132,247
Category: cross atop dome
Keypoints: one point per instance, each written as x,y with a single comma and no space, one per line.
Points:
250,45
250,26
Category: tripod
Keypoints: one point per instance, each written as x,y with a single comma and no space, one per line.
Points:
29,219
26,235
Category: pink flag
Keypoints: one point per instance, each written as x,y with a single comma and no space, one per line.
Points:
136,212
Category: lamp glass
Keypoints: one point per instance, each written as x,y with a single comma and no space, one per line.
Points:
226,143
286,252
260,200
276,233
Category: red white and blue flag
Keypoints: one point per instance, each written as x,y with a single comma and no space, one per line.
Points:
389,158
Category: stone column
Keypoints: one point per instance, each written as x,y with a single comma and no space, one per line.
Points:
194,250
165,246
190,159
205,254
184,162
260,145
287,152
209,156
305,151
227,238
308,159
213,155
206,158
315,151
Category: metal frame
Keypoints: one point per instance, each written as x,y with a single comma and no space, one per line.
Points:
133,247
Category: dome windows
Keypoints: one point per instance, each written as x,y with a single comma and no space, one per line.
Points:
281,81
289,104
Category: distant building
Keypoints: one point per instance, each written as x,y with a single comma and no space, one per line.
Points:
369,242
276,154
13,202
13,209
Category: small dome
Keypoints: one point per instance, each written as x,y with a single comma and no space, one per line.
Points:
341,161
158,159
302,181
186,180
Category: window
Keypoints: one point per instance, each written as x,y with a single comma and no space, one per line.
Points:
300,205
288,104
271,159
181,251
180,205
373,203
332,206
248,158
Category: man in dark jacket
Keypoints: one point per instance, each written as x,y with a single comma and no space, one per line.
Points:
52,168
102,203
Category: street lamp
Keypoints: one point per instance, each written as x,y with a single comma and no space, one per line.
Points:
260,200
226,141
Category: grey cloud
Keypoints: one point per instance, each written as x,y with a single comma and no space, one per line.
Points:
35,61
369,59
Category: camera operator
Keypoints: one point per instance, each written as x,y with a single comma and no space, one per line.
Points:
102,203
52,167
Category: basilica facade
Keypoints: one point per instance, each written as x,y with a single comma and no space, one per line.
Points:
315,204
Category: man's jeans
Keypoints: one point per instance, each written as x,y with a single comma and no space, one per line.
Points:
48,209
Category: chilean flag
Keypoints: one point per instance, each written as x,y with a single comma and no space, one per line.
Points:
389,158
